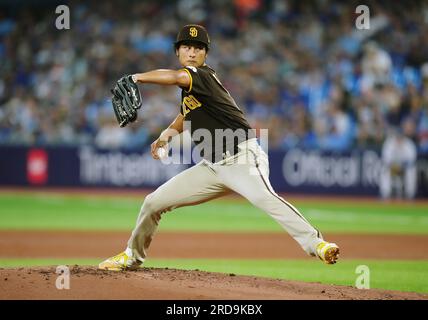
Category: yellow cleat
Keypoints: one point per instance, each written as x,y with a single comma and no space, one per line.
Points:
328,252
120,262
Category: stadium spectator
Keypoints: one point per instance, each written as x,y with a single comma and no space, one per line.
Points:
376,66
398,175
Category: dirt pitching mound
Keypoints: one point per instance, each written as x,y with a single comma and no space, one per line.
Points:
166,284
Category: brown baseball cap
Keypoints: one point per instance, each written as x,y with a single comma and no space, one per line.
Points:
193,33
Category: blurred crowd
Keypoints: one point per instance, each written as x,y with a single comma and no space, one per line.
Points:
298,68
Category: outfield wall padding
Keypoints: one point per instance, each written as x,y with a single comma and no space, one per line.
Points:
292,171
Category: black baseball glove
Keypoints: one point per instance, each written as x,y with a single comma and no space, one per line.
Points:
126,100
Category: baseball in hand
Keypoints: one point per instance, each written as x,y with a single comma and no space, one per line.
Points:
162,153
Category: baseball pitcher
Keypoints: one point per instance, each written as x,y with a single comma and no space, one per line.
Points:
235,162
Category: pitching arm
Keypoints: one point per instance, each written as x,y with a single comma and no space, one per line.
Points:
175,128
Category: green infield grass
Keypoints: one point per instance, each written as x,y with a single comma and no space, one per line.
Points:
64,212
390,275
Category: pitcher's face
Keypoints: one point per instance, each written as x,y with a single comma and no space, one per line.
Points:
191,54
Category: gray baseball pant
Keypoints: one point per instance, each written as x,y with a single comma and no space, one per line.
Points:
246,173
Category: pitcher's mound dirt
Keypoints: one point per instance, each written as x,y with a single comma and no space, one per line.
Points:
164,284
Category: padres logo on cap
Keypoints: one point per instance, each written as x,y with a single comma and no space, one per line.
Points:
193,32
